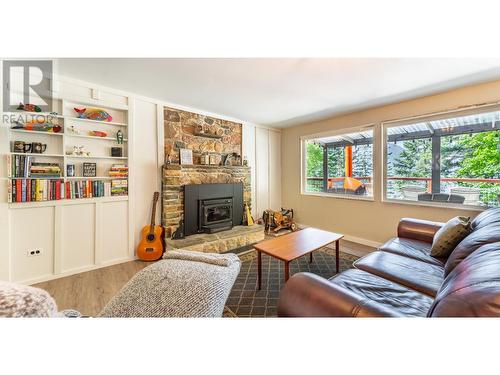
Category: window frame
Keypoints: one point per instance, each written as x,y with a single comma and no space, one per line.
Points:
491,107
303,165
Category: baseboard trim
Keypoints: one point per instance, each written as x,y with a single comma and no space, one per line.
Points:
362,241
347,237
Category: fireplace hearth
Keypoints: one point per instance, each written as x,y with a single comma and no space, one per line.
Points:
212,208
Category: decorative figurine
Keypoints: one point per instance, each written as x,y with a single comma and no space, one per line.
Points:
29,108
96,114
97,133
169,159
73,130
79,151
179,233
279,220
119,137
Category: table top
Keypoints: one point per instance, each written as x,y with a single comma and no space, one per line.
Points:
294,245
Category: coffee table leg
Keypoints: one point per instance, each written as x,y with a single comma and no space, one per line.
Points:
310,257
287,271
337,255
259,269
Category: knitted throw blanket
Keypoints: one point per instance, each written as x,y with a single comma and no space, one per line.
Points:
185,284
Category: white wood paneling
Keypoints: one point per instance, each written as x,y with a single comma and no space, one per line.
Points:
77,236
31,229
274,170
147,173
262,170
113,231
248,149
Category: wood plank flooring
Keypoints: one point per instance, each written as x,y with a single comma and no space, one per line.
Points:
88,292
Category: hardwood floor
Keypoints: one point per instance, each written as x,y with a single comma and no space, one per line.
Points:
88,292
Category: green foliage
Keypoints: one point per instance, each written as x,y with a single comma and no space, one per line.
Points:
482,156
314,160
415,159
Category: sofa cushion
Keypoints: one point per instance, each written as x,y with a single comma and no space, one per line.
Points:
421,276
473,287
479,237
488,217
414,249
449,236
384,292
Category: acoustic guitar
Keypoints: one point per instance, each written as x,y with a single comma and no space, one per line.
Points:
151,246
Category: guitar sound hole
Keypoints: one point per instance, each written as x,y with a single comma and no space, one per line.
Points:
151,237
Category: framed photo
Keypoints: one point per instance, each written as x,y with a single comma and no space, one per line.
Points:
186,156
89,169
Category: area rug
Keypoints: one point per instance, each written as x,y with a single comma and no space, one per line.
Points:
246,301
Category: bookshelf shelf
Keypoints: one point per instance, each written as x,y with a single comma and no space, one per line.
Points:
38,155
34,132
66,202
93,137
84,120
96,157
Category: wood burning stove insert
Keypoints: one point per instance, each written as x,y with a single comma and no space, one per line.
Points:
211,208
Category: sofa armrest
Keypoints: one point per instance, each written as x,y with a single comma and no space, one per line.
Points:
309,295
415,229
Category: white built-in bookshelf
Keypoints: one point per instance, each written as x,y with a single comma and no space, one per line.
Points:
75,132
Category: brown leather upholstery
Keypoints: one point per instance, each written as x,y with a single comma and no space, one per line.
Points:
420,230
479,237
473,287
402,279
487,217
309,295
421,276
412,249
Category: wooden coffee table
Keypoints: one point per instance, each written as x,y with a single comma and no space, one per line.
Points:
294,245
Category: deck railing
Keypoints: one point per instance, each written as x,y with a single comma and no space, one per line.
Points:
489,187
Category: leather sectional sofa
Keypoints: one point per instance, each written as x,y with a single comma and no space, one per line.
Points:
402,279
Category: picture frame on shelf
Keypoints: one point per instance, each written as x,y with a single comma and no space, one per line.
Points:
116,152
186,156
89,170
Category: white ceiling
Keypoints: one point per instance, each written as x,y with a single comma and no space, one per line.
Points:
282,92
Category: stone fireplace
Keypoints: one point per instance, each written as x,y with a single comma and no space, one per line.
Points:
205,135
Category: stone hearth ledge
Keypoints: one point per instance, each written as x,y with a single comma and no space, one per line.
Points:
221,242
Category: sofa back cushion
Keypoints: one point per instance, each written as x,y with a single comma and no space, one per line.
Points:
488,217
473,287
479,237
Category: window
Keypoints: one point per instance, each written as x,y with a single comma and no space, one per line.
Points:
339,164
447,160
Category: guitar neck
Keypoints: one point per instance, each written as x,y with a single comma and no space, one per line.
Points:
153,214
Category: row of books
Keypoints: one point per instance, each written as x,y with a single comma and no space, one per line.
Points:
119,187
118,170
25,166
39,190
